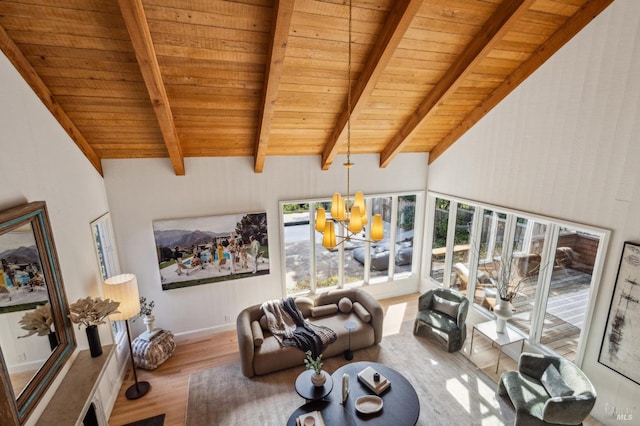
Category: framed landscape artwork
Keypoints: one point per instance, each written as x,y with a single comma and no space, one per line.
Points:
204,250
620,350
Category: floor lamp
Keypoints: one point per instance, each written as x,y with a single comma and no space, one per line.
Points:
124,289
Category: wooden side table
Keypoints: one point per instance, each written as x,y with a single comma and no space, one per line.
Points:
150,352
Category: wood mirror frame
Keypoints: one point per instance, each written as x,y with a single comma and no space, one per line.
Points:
15,410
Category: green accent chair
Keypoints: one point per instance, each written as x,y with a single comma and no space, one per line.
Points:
530,390
443,313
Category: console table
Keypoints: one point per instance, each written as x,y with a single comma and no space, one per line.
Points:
73,397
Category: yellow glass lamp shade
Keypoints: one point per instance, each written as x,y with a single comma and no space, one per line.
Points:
358,201
355,221
337,208
321,219
329,236
124,289
377,229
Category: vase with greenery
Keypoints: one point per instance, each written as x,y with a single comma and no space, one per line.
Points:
92,312
40,322
146,309
315,364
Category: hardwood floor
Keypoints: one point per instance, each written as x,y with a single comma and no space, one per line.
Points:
169,382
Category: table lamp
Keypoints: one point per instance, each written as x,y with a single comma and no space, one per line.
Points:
124,289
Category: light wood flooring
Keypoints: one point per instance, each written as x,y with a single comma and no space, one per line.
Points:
169,382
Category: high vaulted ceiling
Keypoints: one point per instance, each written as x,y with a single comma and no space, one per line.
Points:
200,78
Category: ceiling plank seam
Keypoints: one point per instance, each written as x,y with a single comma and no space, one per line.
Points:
395,27
493,30
540,56
42,91
277,48
138,28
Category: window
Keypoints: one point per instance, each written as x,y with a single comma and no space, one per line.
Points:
107,256
551,275
311,267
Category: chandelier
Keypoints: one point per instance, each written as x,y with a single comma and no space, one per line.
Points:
350,216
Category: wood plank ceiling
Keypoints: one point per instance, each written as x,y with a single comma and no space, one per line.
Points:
200,78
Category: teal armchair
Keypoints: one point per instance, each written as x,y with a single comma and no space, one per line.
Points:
443,313
544,395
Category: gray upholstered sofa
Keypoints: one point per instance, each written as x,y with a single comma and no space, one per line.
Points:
530,389
261,353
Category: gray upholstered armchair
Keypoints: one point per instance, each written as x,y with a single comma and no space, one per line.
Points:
548,390
443,313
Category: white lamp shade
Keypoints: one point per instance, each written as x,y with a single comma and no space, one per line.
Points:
124,289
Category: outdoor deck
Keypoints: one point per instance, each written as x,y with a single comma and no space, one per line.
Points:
566,308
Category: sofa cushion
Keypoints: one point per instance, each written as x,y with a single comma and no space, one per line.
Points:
256,330
554,383
438,320
321,311
345,305
305,305
445,306
361,311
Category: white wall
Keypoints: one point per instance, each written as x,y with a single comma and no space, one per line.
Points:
566,144
141,191
40,162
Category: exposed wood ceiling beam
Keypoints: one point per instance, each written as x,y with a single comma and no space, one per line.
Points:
494,29
42,91
277,48
138,28
395,27
544,52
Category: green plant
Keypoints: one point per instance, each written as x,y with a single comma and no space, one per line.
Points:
311,363
90,311
146,307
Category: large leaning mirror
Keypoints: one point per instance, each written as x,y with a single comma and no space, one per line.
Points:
36,338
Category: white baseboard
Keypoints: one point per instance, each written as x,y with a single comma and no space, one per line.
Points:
194,334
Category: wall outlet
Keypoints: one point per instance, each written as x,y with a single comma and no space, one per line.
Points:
22,356
227,318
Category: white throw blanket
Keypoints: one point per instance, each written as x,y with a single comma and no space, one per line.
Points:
280,322
289,327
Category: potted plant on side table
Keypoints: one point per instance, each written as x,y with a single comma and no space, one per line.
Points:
315,364
92,312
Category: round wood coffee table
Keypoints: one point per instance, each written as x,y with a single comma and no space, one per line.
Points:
400,401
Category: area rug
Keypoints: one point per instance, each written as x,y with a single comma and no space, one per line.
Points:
451,389
151,421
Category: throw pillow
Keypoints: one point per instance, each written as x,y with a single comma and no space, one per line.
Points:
345,305
361,311
554,383
256,330
324,310
445,306
305,305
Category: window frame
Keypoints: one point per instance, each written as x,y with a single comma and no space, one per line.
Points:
108,263
553,226
367,279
